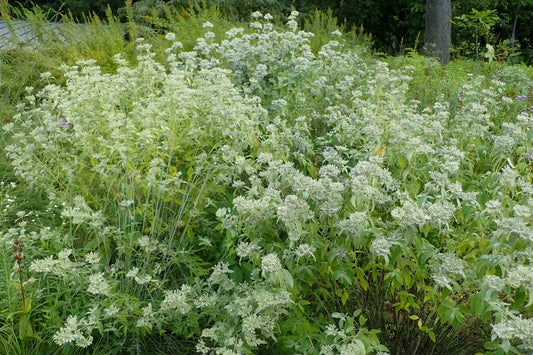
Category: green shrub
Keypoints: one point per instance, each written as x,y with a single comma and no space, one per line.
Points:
252,195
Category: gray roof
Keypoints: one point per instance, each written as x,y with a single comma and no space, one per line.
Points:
21,29
24,31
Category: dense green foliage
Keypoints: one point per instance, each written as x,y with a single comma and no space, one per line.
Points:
241,188
394,25
78,8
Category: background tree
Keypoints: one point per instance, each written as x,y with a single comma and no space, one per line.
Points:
78,8
437,35
395,25
511,35
480,23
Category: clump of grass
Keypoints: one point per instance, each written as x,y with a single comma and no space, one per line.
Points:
187,23
323,25
432,80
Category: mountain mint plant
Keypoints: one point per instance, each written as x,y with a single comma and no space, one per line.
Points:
256,195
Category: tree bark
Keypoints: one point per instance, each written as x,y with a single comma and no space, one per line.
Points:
438,32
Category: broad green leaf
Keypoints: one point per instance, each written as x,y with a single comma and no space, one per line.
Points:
402,161
477,304
432,336
362,279
289,281
25,327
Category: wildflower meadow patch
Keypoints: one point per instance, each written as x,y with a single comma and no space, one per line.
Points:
258,195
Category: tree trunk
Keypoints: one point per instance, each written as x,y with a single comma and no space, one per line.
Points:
438,33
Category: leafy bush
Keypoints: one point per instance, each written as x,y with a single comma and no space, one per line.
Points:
253,195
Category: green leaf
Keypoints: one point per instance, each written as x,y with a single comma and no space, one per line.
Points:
338,315
530,302
342,274
406,274
506,345
27,305
349,326
432,336
345,297
360,347
362,279
492,345
383,348
530,135
353,201
477,304
402,161
519,298
25,327
464,309
237,274
289,281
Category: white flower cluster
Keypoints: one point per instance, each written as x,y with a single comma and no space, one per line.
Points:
255,310
147,318
252,323
98,124
440,213
294,212
518,328
355,222
270,263
140,279
370,182
520,275
92,258
410,215
494,283
98,285
245,249
79,212
257,211
58,266
446,267
70,332
219,276
381,247
336,150
516,227
177,300
304,250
